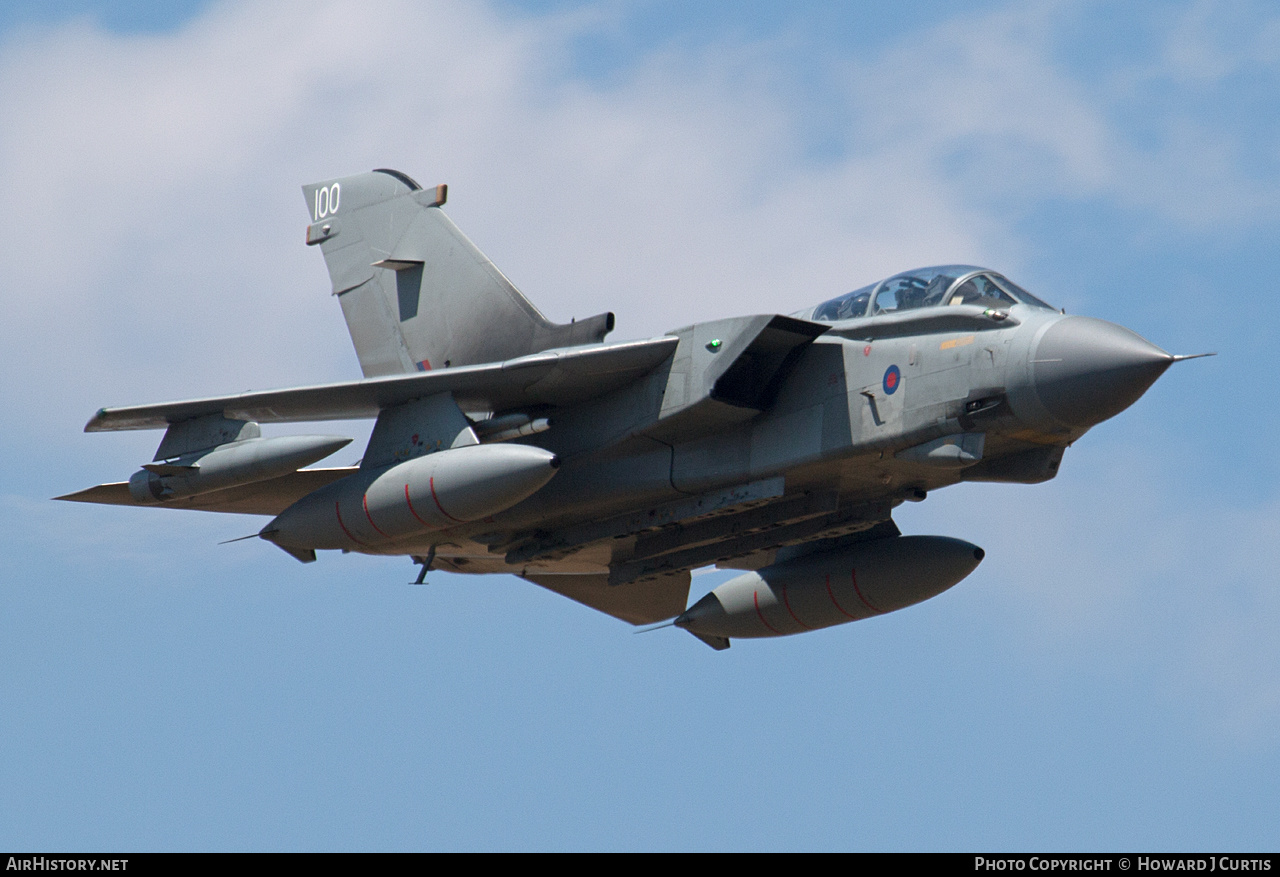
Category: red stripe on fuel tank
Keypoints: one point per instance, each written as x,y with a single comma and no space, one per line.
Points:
853,573
337,507
432,484
364,501
412,511
836,603
755,595
787,602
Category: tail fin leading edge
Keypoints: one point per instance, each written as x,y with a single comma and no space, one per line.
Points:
415,292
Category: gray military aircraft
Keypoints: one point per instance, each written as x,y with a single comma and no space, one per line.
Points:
778,445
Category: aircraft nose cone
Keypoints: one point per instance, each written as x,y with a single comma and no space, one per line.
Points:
1088,370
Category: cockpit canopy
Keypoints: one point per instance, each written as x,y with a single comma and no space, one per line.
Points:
938,286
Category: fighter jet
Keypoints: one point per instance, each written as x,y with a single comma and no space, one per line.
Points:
774,444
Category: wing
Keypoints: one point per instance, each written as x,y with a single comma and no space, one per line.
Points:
553,378
657,600
647,594
550,379
650,553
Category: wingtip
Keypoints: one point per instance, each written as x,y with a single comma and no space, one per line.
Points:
95,422
89,494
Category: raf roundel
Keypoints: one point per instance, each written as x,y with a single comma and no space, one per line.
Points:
892,379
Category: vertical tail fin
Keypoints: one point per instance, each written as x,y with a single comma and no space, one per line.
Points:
416,293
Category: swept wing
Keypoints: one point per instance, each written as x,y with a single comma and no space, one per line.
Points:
553,378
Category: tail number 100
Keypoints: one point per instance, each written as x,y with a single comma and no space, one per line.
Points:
326,202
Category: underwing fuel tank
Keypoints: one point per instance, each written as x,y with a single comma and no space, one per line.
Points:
230,465
432,492
831,587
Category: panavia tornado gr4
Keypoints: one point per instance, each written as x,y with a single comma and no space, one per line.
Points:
774,444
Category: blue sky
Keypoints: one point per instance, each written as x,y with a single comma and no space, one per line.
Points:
1109,678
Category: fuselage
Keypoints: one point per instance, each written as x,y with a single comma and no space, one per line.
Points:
875,410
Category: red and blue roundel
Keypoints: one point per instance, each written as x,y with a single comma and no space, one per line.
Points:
892,379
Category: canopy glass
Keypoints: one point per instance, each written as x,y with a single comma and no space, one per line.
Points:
939,286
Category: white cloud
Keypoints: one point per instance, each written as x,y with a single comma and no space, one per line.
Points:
985,108
1210,41
157,177
988,84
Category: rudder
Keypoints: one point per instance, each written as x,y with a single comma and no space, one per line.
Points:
415,292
